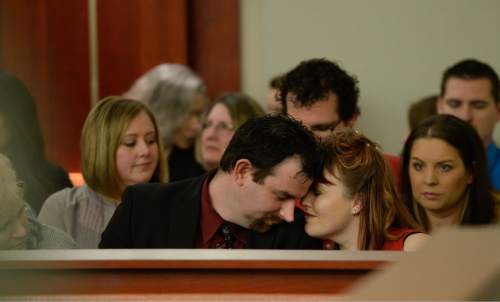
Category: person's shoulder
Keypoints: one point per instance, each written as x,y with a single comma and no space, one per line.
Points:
54,238
161,188
57,174
60,204
415,241
64,196
159,192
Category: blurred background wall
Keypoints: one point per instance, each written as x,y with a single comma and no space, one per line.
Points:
398,49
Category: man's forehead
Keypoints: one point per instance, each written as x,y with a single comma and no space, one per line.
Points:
293,190
322,112
468,89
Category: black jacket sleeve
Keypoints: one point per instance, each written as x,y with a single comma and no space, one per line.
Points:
118,233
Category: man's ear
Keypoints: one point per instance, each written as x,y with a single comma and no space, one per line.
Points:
242,169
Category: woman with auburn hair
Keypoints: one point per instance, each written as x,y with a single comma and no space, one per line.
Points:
445,179
356,204
120,147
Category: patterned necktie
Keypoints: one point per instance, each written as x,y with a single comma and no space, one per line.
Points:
228,236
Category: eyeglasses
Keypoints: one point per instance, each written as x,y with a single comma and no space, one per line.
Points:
219,127
325,129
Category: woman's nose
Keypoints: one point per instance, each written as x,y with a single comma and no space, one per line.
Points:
430,177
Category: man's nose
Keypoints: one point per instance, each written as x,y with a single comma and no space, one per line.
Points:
465,114
287,210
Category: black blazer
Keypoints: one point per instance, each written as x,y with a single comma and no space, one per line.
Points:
168,216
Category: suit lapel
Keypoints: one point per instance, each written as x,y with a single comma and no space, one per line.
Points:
184,217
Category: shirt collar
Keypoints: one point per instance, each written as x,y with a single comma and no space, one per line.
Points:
210,219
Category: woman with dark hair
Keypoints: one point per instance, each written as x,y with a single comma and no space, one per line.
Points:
445,179
356,204
22,142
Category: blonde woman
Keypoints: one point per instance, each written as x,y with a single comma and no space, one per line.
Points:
120,146
176,96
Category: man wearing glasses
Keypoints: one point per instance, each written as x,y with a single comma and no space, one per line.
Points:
324,97
321,95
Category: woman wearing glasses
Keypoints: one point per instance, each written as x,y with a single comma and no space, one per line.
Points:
228,112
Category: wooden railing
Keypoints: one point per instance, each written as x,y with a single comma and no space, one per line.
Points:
177,272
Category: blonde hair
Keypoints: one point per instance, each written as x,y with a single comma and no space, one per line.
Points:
101,136
359,164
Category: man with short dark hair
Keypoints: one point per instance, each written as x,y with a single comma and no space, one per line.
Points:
470,90
269,164
272,98
320,94
324,97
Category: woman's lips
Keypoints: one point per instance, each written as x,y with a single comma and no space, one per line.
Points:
211,148
143,165
431,195
307,213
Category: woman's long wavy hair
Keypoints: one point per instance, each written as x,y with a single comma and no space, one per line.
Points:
364,171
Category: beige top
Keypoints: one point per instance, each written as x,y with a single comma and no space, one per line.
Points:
81,212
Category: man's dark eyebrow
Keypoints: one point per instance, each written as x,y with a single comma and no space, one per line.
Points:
284,195
478,101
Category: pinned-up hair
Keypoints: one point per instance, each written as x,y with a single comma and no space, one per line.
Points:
360,165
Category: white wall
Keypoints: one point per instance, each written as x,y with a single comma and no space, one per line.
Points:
398,49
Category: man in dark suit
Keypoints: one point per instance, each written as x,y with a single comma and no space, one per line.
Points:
269,164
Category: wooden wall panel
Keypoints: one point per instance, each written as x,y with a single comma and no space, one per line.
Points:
45,44
69,77
136,35
214,43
